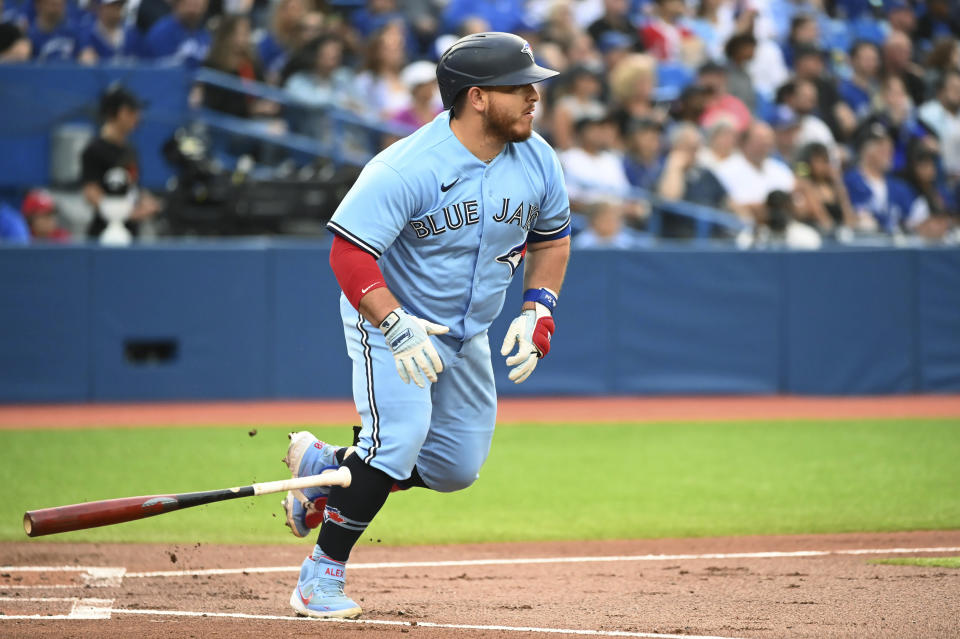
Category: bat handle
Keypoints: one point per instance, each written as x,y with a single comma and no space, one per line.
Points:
338,477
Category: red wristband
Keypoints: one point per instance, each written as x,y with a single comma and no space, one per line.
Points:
356,271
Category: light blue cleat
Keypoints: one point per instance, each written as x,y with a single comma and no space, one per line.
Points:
307,455
319,591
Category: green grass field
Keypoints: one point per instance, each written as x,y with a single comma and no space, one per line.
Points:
937,562
541,482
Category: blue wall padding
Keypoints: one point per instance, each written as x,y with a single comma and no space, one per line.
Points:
260,319
44,325
938,309
211,299
850,323
308,356
692,322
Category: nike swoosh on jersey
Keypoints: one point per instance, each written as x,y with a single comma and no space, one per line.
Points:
447,187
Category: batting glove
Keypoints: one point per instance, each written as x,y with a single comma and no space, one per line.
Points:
408,338
530,333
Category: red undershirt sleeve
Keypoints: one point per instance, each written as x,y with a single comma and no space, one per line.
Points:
356,270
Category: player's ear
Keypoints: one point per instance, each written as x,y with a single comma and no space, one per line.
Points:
478,99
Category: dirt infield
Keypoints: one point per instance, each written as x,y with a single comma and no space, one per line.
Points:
536,410
688,587
750,587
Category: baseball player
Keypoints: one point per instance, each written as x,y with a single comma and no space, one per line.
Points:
426,243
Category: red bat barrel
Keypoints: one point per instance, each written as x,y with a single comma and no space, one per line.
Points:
48,521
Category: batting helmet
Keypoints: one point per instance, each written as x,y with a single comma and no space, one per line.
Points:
487,60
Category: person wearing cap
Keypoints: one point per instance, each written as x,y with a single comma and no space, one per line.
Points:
109,164
934,210
40,211
880,200
426,243
420,78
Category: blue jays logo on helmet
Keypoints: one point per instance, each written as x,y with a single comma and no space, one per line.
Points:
526,49
513,257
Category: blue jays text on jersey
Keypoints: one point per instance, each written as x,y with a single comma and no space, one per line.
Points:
449,230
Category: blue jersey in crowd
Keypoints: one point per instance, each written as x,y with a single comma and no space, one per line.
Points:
889,209
449,230
63,43
106,49
856,97
170,41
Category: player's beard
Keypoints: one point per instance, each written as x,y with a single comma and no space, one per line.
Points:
503,125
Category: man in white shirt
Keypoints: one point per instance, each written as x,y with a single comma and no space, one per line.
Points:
942,115
590,167
752,174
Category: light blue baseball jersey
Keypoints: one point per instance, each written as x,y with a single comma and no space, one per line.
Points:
449,230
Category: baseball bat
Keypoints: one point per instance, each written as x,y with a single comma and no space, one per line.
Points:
48,521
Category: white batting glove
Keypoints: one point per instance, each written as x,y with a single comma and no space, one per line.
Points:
408,338
531,333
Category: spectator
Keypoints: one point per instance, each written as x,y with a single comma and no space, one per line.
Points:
684,177
900,17
54,37
606,228
880,201
181,37
643,161
786,130
862,88
110,166
13,228
560,26
108,38
581,98
942,116
285,35
933,211
940,20
631,89
801,97
40,210
898,60
721,104
721,144
374,16
943,57
752,174
615,19
691,104
232,52
810,66
782,226
15,46
592,165
740,50
804,32
714,24
614,46
824,202
897,115
665,36
420,78
327,82
379,87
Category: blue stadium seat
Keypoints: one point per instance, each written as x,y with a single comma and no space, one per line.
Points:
671,75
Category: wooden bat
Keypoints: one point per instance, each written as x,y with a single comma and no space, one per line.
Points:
48,521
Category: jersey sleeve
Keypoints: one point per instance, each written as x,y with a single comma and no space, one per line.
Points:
375,209
554,219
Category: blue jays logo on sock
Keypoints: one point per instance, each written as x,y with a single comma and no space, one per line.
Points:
513,257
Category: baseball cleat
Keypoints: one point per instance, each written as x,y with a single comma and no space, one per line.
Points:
319,590
302,515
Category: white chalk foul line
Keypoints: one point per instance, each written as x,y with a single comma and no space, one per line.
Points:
81,608
551,560
92,576
412,624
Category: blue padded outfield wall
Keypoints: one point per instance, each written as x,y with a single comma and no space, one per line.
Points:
259,319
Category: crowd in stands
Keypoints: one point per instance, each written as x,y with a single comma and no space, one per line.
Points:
806,119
